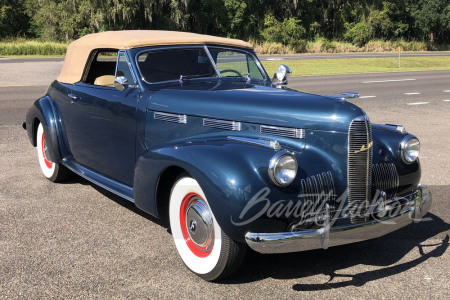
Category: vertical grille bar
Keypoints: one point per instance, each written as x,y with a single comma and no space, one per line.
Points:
359,168
318,190
385,178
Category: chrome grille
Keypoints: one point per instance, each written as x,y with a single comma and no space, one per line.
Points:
182,119
359,168
295,133
222,124
318,190
385,178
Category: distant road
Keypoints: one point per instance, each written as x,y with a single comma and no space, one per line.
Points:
281,57
6,60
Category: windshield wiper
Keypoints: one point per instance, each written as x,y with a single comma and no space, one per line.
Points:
187,77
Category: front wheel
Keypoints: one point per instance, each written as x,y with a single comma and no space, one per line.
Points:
204,248
53,171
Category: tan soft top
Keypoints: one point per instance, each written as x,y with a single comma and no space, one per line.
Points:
78,51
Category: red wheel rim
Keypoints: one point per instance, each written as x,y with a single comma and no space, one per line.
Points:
195,248
48,163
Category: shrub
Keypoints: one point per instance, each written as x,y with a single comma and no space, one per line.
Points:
358,34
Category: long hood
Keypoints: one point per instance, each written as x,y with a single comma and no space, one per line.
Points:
260,105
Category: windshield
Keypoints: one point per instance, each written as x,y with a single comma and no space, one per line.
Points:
189,63
232,63
171,64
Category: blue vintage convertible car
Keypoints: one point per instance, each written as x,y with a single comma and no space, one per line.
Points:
192,129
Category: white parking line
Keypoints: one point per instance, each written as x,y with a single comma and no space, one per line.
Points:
365,97
447,91
410,94
446,100
393,80
276,58
418,103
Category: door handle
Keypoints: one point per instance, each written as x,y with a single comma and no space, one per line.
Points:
72,97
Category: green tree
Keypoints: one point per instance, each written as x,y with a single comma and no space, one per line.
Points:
284,21
13,21
433,20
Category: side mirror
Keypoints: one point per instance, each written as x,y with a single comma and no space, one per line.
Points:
121,83
281,76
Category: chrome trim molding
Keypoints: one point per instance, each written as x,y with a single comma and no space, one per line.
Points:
349,95
211,59
326,236
361,118
263,143
222,124
390,127
295,133
174,118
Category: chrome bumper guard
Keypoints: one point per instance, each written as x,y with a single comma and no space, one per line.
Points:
327,236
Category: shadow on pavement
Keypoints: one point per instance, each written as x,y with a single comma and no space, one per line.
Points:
364,277
382,252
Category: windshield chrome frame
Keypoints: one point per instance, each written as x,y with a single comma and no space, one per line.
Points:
206,49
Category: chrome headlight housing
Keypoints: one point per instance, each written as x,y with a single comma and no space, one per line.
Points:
409,149
283,168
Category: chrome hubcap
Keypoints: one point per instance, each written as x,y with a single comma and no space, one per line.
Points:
199,223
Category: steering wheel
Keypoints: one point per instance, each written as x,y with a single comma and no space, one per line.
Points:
232,71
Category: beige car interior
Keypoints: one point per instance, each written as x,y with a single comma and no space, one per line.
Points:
105,80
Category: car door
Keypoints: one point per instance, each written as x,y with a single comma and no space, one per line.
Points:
101,125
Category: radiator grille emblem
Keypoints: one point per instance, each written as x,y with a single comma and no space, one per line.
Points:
364,148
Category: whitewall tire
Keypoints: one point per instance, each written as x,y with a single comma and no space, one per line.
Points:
53,171
202,245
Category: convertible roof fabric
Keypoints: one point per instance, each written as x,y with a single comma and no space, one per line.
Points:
78,51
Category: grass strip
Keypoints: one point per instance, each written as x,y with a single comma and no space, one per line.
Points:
359,65
36,48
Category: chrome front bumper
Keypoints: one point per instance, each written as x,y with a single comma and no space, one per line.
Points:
327,236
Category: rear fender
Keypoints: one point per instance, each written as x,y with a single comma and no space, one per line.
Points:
43,111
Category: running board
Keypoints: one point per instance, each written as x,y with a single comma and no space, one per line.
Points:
102,181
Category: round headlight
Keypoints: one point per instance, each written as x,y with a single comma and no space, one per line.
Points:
283,168
410,149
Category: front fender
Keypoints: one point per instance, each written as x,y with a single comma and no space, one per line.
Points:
44,112
386,149
230,174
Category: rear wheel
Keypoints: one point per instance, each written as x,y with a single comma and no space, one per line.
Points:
53,171
204,248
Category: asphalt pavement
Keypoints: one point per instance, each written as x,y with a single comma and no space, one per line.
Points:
75,240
